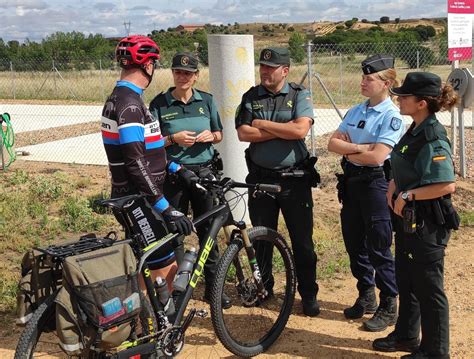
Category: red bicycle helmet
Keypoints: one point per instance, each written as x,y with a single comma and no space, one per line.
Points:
136,50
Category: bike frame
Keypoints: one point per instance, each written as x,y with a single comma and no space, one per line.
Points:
220,216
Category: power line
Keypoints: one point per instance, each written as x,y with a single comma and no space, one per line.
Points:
127,26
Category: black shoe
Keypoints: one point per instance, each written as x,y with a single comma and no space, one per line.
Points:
310,307
392,343
422,355
226,302
365,303
385,315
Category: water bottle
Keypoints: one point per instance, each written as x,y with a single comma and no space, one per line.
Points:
183,275
164,296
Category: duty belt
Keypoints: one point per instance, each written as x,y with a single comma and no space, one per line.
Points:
351,170
198,166
288,172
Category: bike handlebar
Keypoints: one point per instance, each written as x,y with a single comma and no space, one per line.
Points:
227,183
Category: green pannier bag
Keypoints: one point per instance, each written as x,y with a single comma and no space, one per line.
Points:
40,278
90,281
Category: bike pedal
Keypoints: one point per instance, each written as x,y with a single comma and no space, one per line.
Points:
202,313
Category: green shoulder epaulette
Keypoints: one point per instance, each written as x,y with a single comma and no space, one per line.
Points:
296,86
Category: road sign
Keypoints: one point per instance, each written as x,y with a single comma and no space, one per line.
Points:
460,14
459,80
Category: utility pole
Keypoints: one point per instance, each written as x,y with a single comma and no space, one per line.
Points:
127,26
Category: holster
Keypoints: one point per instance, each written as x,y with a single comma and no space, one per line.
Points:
387,169
340,186
309,164
445,213
217,163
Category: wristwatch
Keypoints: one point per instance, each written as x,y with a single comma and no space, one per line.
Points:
405,196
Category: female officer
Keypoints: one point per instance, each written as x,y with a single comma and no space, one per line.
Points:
365,138
419,195
190,121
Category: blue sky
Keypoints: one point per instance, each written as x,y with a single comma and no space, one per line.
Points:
35,19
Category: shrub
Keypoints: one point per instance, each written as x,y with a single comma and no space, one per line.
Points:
426,56
77,216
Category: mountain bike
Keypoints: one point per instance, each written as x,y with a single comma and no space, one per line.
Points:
262,294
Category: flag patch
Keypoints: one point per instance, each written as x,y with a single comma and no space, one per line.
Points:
439,158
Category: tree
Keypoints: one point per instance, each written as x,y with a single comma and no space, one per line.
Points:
424,59
397,20
295,44
384,20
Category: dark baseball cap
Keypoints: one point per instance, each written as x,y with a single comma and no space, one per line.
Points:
376,63
185,61
275,57
419,84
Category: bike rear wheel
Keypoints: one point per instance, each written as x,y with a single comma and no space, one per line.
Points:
251,326
39,338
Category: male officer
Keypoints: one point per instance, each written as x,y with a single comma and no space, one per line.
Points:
275,117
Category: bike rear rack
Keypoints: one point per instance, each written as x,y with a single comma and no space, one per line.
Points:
85,244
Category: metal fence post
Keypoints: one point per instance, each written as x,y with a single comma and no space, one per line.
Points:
101,80
340,78
454,65
310,88
54,79
13,81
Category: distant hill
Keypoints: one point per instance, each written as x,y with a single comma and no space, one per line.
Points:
271,33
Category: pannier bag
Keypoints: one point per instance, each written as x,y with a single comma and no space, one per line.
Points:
100,299
39,279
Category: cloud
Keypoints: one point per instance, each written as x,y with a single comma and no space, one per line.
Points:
25,4
34,18
140,8
104,6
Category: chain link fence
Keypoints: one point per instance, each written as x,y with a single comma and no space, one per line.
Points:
336,75
55,106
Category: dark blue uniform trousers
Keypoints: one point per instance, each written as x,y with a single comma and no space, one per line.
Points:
296,204
367,233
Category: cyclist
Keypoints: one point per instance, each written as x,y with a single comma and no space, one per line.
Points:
135,148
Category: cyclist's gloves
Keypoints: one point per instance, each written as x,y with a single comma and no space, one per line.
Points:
188,177
177,221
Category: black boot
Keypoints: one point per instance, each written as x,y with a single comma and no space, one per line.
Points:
393,343
365,303
385,315
310,307
226,301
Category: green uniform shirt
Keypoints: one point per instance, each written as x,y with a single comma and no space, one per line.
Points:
199,114
423,156
292,102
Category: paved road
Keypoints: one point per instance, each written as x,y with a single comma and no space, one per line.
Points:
88,149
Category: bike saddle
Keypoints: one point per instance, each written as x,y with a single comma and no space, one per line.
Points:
120,202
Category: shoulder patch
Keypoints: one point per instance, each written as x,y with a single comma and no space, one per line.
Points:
439,158
395,123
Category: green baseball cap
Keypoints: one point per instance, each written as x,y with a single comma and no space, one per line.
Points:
184,61
419,84
275,56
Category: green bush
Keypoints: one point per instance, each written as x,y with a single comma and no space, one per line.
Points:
426,56
45,188
77,216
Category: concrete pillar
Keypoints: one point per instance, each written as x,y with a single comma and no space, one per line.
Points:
231,73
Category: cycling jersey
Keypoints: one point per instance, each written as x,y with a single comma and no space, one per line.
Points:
133,144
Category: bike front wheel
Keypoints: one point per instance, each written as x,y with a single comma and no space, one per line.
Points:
252,325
